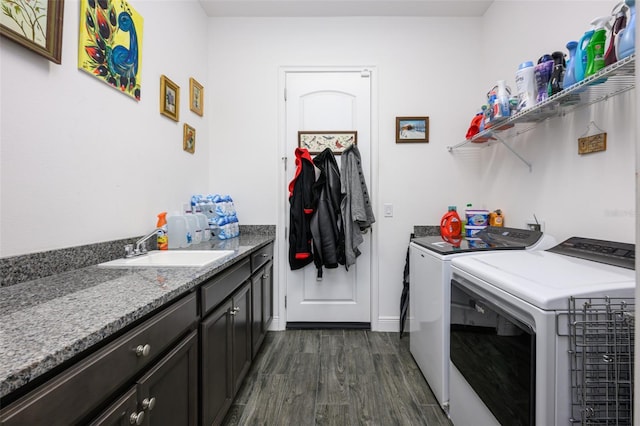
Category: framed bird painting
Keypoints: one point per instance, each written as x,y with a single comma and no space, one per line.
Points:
110,44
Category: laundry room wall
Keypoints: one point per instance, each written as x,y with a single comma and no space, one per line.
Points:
421,68
82,163
590,195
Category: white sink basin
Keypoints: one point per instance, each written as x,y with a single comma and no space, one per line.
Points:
170,258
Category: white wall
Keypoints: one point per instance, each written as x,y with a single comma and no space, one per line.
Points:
416,72
591,195
437,67
82,163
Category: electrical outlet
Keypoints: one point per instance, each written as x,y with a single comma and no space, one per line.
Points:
534,225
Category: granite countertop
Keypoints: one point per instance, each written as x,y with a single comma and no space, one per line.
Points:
47,321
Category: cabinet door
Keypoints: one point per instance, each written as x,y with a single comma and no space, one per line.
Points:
168,393
217,384
241,337
123,412
267,296
257,333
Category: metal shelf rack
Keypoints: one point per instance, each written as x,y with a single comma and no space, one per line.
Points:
610,81
601,349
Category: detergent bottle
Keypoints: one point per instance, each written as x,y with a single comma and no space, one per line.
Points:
557,76
569,75
496,218
450,224
620,22
597,45
580,62
162,239
627,43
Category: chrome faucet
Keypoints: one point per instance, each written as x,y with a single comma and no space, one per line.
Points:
141,245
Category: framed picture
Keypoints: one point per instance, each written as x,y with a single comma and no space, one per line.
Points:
169,98
318,141
36,25
412,129
196,97
110,44
189,138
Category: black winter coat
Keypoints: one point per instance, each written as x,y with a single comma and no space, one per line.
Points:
301,207
327,228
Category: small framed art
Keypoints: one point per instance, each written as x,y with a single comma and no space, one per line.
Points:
318,141
169,98
412,129
196,97
35,25
189,139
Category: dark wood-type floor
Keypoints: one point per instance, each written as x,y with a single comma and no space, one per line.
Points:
335,377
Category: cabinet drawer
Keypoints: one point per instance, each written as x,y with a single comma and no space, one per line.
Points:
221,286
73,394
261,257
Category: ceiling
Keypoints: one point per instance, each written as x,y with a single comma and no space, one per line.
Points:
314,8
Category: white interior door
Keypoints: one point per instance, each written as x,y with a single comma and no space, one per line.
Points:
317,101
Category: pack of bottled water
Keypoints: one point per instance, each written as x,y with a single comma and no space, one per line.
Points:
220,212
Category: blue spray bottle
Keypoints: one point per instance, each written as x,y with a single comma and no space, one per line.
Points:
627,43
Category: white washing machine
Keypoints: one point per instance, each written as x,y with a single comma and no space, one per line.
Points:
543,337
429,294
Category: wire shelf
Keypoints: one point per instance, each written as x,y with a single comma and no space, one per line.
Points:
610,81
601,336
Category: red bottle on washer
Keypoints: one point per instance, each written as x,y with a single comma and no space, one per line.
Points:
450,224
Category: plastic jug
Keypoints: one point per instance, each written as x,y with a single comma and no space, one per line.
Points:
596,46
569,75
450,224
543,71
526,85
620,21
557,76
627,43
580,62
177,231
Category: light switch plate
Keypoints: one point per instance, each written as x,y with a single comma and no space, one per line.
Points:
388,210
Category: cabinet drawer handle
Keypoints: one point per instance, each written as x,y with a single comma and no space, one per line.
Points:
136,418
143,350
265,255
148,403
235,310
265,276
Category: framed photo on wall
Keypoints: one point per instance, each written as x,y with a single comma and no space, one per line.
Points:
169,98
318,141
189,139
412,129
36,25
196,97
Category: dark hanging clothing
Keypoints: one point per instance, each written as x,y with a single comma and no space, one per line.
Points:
327,228
302,204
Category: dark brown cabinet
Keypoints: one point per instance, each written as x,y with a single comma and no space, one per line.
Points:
81,390
262,304
181,366
226,340
165,395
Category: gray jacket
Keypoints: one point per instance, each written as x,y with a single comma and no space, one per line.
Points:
356,209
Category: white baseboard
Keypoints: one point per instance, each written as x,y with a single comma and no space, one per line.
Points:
387,324
384,324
